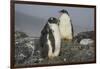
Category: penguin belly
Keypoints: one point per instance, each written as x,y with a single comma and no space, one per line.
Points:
50,52
57,37
65,27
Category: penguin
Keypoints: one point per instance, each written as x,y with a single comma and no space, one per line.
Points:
50,39
65,26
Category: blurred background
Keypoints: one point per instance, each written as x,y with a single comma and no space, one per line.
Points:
32,18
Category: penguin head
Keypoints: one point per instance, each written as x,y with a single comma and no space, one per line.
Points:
53,20
64,11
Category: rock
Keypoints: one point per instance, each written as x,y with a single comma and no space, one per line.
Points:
83,35
22,53
24,47
19,34
28,52
86,41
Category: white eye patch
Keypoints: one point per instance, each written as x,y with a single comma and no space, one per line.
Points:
51,18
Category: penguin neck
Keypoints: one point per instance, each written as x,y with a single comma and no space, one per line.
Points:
64,18
53,26
55,30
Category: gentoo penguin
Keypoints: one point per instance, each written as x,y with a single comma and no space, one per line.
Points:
50,39
65,26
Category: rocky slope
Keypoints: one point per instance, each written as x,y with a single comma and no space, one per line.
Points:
27,51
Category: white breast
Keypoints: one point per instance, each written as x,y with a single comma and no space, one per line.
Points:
50,47
65,26
57,37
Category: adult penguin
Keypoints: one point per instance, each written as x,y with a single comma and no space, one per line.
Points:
50,39
65,26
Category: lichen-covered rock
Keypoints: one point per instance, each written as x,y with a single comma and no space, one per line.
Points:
24,47
28,52
22,53
19,34
86,41
84,35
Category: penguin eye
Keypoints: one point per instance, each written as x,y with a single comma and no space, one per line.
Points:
51,18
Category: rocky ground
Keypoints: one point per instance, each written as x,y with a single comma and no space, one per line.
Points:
27,52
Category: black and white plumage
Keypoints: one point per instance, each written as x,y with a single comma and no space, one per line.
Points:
65,25
50,39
